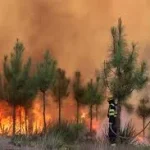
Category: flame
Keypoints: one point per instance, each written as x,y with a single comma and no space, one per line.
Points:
96,125
140,139
83,115
34,121
84,118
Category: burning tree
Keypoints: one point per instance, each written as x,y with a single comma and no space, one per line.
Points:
78,91
27,95
45,77
22,92
60,89
143,111
15,73
122,73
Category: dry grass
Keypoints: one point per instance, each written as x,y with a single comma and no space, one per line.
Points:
65,137
56,143
107,147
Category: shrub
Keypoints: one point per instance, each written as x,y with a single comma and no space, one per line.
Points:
69,132
51,141
128,132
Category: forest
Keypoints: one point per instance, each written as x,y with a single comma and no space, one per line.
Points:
120,75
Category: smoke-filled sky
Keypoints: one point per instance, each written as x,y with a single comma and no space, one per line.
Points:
76,31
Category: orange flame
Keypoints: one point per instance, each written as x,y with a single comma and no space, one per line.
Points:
34,121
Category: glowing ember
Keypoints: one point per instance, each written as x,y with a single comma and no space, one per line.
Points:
96,125
83,115
140,139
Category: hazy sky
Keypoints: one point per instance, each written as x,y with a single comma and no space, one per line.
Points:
76,31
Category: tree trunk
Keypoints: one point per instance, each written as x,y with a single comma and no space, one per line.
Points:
59,120
26,123
78,113
118,121
36,128
143,127
44,118
91,118
78,109
20,120
96,112
14,120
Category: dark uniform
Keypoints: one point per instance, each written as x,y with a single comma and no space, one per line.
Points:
112,114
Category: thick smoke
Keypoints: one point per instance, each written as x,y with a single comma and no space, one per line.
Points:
76,31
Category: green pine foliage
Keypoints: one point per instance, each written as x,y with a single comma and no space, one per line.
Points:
143,111
45,77
78,91
60,89
123,73
93,97
15,76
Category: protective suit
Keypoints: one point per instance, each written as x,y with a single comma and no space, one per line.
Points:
112,115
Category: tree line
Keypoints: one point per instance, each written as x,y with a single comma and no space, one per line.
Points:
19,87
120,75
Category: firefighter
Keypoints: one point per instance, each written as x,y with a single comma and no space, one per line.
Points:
112,114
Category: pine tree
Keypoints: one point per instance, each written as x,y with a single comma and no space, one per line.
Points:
143,111
92,97
45,77
27,95
100,81
97,111
60,89
22,92
2,91
78,91
13,78
122,72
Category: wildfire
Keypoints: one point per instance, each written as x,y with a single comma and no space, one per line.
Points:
33,123
5,118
